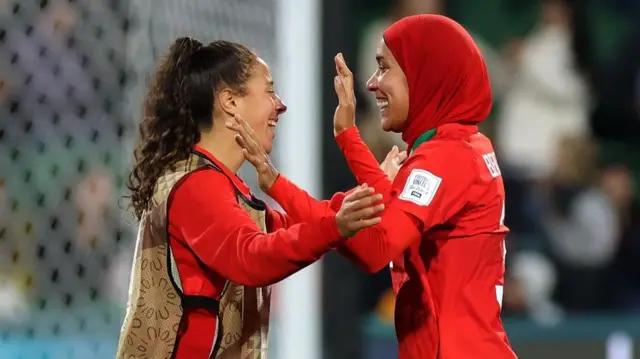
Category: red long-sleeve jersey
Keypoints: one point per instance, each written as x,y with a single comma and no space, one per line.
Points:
214,240
443,233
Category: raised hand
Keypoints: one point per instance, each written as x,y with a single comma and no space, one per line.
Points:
254,152
392,163
345,115
358,210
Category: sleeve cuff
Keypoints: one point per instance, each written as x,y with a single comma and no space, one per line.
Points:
331,229
279,188
348,135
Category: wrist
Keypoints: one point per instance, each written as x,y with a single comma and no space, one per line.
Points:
337,131
268,184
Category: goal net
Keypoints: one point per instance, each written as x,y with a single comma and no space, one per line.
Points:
72,78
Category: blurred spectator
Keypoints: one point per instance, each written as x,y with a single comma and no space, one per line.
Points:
617,116
550,93
584,224
529,287
17,259
105,258
625,276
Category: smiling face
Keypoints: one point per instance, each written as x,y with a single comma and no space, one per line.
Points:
261,106
390,87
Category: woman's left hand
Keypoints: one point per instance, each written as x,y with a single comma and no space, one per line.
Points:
345,115
254,152
392,163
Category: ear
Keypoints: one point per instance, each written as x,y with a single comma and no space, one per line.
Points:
228,101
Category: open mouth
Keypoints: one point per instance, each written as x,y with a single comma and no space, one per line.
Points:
382,103
272,123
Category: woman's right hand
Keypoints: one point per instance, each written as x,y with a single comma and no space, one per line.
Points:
392,163
359,210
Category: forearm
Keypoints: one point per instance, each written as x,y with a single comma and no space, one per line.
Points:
373,248
252,258
361,161
299,205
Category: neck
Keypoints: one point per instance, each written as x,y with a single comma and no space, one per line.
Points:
222,145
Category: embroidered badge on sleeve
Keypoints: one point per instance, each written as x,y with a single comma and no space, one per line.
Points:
421,187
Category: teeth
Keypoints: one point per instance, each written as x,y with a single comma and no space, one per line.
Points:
383,103
272,123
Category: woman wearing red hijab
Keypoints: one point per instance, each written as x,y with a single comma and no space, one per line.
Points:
442,229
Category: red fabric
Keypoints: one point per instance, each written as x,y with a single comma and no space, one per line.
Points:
447,255
214,240
359,156
447,76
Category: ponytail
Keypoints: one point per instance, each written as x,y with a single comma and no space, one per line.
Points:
178,105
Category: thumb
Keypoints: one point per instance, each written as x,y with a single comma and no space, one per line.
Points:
393,153
402,156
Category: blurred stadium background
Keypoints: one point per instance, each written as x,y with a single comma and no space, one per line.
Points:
566,123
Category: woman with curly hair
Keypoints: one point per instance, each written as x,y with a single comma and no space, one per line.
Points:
207,249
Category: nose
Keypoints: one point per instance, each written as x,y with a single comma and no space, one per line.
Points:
372,83
280,106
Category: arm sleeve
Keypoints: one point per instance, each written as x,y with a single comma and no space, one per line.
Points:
361,161
299,205
205,212
277,220
427,191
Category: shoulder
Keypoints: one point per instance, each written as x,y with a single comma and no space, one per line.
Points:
443,156
202,184
444,148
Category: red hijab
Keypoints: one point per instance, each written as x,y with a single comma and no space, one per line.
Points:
447,76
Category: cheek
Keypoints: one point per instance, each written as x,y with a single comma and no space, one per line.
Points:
263,108
398,95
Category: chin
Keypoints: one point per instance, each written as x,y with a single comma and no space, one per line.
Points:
268,147
388,125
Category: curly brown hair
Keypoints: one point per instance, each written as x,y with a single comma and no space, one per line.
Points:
179,105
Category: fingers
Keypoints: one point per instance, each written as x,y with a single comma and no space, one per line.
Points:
393,153
364,202
366,213
255,159
359,193
342,67
344,72
243,124
361,204
340,91
366,223
402,156
244,130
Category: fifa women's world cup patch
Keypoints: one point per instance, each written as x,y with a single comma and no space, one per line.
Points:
421,187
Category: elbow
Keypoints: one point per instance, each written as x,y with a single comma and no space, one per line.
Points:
372,267
367,265
259,280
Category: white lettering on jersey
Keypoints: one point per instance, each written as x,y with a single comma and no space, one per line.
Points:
492,164
421,187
